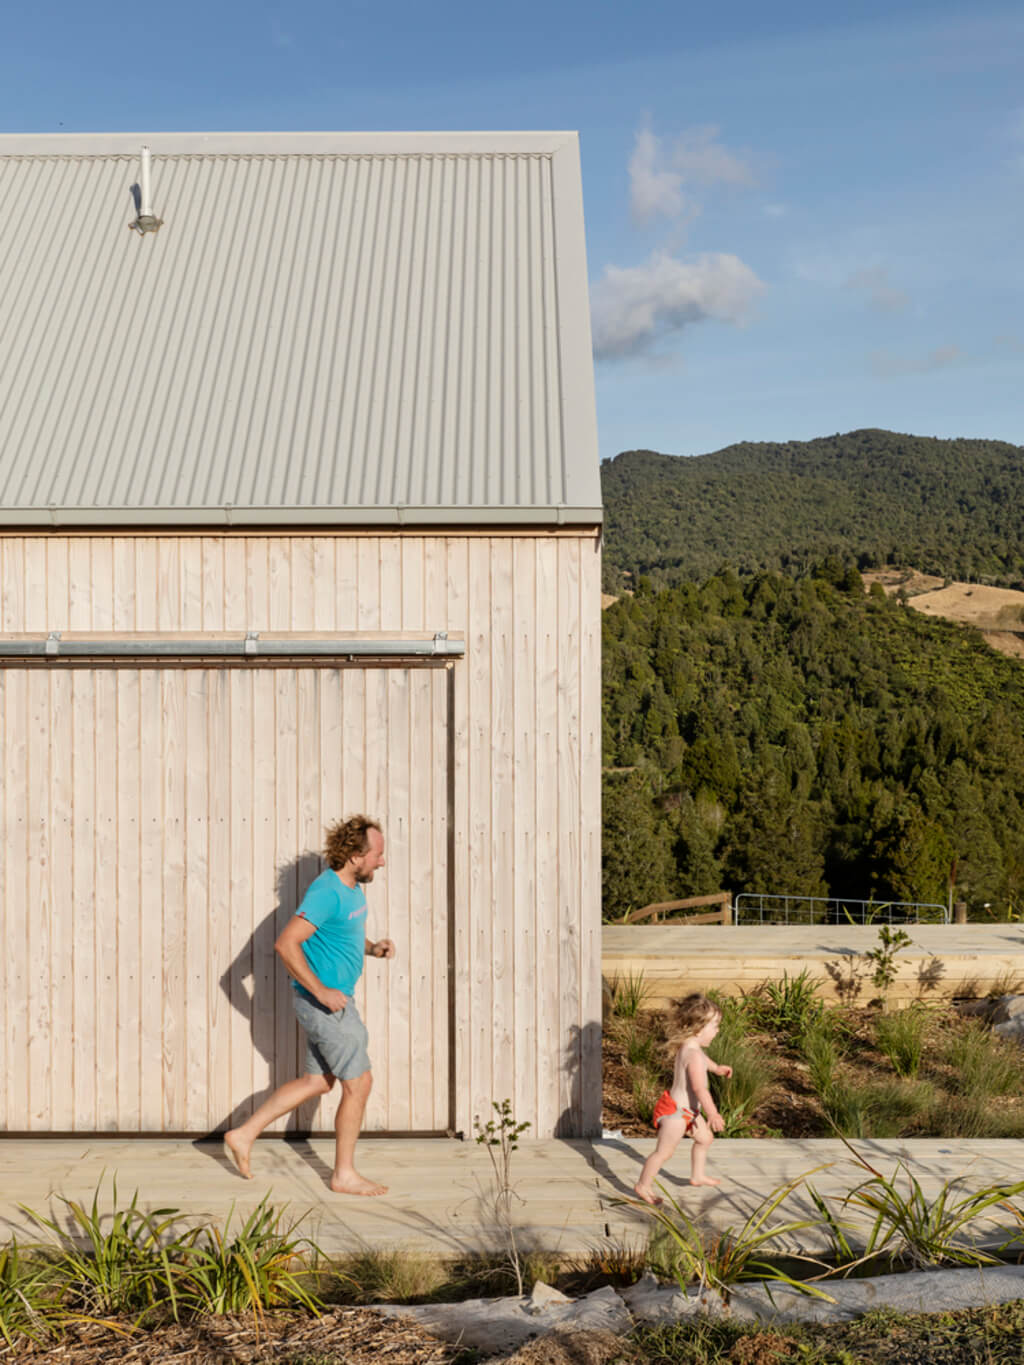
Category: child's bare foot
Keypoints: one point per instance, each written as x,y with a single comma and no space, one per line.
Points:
355,1184
705,1180
239,1150
648,1196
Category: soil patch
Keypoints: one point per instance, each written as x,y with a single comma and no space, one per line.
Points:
790,1106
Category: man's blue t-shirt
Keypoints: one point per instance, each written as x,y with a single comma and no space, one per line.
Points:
337,950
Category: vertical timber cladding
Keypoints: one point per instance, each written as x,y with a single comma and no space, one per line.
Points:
175,816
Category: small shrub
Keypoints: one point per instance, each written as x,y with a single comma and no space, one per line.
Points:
910,1229
263,1265
629,995
27,1305
896,1108
718,1259
901,1037
622,1262
821,1052
646,1093
130,1262
642,1048
847,1109
789,1007
388,1276
984,1064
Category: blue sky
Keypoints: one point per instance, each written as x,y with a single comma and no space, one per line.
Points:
801,219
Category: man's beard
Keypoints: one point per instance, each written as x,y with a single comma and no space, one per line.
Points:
364,877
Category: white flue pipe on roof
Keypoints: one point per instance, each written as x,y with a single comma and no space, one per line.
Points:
145,208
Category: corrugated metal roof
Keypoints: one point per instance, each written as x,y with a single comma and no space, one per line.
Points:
327,327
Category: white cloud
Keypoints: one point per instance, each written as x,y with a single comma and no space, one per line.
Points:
883,296
698,156
775,210
634,308
886,365
659,170
652,191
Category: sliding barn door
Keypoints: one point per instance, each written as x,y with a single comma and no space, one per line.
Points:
159,826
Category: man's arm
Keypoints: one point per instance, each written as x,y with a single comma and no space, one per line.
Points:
289,949
382,948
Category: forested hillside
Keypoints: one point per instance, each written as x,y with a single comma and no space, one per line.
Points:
776,733
952,508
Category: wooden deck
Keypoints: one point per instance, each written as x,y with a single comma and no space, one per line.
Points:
440,1196
943,961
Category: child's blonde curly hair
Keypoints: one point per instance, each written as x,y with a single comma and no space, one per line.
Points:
688,1016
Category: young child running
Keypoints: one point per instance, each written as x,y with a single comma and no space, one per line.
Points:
678,1113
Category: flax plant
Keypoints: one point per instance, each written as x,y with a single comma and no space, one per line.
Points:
128,1263
720,1260
910,1229
27,1305
262,1265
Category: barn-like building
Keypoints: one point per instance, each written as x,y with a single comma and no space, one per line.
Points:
299,516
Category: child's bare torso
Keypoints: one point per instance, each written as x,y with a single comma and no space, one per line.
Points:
691,1064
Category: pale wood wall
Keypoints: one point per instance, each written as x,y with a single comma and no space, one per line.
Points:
525,833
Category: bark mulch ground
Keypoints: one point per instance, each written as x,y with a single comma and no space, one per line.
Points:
350,1335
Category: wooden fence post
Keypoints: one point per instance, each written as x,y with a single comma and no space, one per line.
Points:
960,912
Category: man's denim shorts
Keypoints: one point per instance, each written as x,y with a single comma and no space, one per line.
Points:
335,1043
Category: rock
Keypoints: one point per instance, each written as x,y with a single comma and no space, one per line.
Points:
1012,1028
1007,1007
544,1295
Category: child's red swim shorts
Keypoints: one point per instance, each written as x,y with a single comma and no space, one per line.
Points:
666,1109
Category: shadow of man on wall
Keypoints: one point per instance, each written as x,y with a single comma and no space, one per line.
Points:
258,987
581,1117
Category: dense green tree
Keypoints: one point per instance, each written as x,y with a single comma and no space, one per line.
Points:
841,503
787,735
637,862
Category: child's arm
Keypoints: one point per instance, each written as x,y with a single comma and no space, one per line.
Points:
717,1070
697,1079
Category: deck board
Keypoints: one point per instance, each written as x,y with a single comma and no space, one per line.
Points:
441,1196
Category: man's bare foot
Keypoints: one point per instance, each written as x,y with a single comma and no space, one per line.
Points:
355,1184
238,1150
648,1196
705,1180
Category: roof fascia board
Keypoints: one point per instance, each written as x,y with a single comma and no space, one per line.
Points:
576,356
96,517
280,144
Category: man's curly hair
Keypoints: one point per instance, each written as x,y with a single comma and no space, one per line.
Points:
347,839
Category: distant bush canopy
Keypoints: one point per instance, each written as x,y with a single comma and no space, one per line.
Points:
798,735
952,508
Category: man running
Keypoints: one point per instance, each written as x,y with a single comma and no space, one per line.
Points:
323,947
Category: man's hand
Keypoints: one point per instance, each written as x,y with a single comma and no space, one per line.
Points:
382,948
333,1000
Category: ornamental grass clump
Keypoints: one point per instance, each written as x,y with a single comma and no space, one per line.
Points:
261,1265
901,1037
125,1261
753,1069
719,1259
790,1007
630,994
984,1064
28,1307
909,1229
